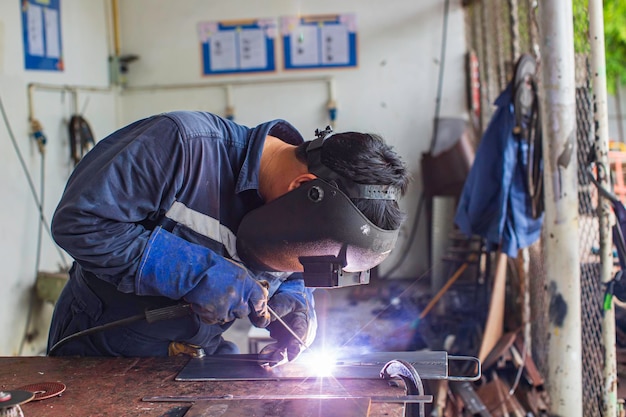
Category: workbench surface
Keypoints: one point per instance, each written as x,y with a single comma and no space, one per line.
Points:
116,386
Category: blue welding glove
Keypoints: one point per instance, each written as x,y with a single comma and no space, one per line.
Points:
218,289
295,305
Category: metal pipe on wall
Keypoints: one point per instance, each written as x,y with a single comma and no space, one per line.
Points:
228,85
561,232
225,83
72,89
598,76
115,11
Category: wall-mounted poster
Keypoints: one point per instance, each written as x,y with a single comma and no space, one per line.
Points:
238,46
41,25
323,41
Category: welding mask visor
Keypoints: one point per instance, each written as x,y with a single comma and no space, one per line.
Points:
312,223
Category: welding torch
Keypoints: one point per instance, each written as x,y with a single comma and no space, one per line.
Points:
268,365
289,329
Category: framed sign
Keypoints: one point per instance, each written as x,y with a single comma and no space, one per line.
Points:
41,25
324,41
238,46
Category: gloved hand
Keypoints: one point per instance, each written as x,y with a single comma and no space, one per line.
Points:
295,305
218,289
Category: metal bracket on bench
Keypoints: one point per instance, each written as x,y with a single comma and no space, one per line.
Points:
475,377
412,382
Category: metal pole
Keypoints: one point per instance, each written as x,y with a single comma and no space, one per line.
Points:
560,232
598,77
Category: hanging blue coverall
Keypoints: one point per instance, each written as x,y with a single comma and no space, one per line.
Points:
172,185
494,203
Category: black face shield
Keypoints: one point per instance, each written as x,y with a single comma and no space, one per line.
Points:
317,230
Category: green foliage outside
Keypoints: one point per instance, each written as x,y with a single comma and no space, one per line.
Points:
581,26
615,42
614,38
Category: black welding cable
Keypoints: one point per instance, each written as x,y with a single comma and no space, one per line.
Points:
93,330
151,316
442,61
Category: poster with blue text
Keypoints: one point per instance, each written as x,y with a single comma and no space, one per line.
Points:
41,25
244,46
322,41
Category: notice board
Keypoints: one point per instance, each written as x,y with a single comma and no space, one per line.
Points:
41,26
242,46
322,41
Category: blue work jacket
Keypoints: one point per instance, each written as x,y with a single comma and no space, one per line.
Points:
195,175
494,202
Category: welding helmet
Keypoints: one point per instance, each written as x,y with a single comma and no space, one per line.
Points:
316,228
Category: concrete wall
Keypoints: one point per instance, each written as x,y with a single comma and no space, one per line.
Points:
392,93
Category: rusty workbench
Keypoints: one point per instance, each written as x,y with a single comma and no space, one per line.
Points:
115,386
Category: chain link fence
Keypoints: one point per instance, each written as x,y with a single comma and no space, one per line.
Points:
498,32
592,291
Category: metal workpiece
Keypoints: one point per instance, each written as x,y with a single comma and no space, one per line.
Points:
394,369
414,385
411,367
412,398
247,367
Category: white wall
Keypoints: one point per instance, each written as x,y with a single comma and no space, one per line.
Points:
392,92
85,39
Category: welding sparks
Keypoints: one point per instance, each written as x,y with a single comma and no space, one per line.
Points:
319,363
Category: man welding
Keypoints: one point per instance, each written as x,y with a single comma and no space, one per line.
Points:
191,209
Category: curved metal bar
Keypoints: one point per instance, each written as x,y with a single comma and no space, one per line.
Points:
398,368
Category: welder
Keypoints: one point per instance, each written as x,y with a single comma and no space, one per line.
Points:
153,213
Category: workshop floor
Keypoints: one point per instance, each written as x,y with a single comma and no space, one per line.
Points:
374,317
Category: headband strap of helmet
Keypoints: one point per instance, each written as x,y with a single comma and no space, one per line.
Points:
349,187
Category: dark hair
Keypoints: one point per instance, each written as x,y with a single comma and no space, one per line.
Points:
366,159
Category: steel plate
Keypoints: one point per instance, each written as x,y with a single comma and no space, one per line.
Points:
429,365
